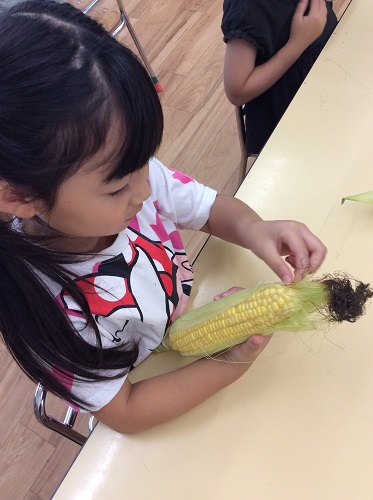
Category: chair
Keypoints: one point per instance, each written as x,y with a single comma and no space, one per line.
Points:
64,428
125,21
240,119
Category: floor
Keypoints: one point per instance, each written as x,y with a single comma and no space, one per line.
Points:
183,41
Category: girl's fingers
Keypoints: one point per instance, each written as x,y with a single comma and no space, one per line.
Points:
290,259
231,290
254,345
316,249
248,351
304,252
273,259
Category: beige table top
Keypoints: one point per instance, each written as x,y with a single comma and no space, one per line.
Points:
299,424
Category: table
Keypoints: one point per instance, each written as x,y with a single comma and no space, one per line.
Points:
299,424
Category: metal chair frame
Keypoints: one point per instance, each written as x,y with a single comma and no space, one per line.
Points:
240,119
65,427
125,22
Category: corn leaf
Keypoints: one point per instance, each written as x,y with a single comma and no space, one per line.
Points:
366,197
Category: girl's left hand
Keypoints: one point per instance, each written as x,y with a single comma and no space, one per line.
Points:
231,290
271,240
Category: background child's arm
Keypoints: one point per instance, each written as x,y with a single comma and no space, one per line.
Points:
232,220
244,81
150,402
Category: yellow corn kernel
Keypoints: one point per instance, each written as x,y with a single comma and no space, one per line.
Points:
305,305
226,324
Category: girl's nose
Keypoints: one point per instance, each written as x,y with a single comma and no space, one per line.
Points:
141,191
146,191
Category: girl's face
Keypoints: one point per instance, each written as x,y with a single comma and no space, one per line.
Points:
93,211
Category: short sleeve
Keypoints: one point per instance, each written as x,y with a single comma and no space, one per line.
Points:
180,198
97,394
263,23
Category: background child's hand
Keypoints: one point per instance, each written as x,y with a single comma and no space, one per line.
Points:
270,240
306,28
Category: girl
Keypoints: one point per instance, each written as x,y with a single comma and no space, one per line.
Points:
271,46
92,265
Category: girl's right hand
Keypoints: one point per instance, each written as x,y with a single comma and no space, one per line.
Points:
247,352
305,29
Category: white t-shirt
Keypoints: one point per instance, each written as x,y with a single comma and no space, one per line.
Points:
137,286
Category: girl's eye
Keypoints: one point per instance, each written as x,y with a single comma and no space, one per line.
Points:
120,191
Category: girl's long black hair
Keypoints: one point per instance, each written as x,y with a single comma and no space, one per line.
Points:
64,82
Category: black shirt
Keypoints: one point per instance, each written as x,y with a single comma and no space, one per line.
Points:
266,25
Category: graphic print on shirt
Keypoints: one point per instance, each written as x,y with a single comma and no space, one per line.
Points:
145,286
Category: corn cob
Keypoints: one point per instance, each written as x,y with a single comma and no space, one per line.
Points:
305,305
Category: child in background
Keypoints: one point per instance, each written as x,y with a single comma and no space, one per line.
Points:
271,46
93,270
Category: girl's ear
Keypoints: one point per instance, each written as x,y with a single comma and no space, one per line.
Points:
13,203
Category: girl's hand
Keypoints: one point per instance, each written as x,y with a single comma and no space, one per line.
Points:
305,29
234,221
231,290
248,351
270,240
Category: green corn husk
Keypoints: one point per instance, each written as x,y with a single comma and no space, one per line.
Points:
366,197
307,305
